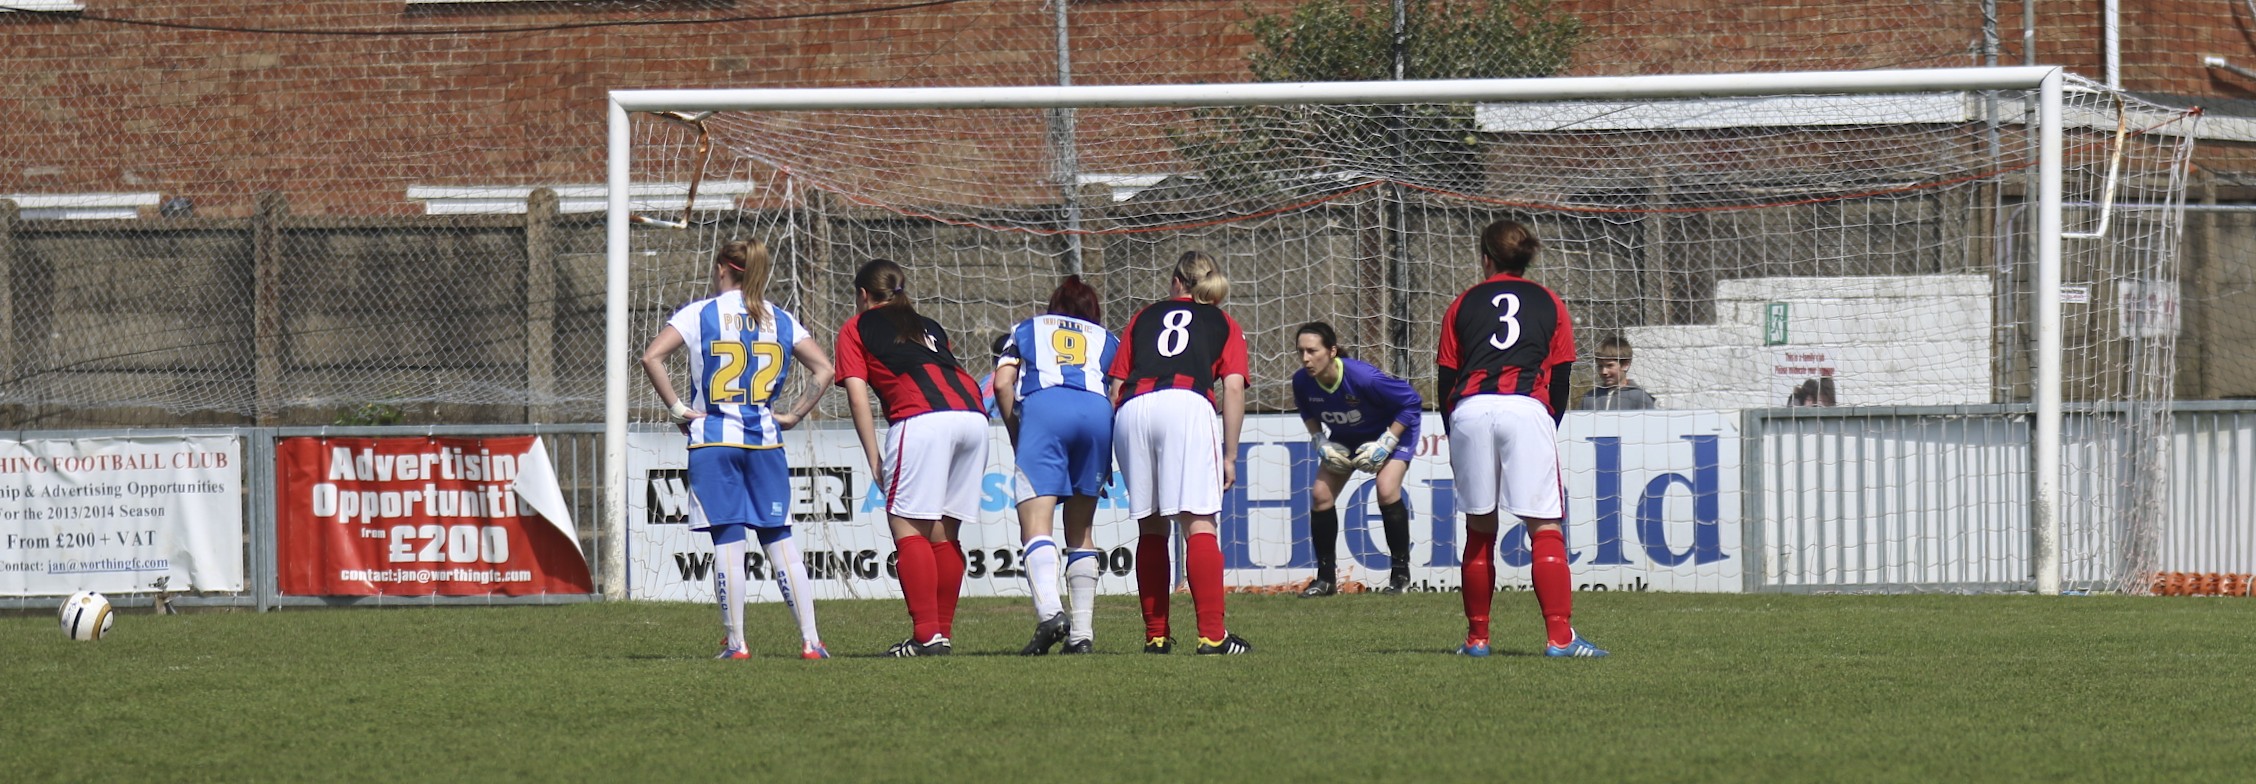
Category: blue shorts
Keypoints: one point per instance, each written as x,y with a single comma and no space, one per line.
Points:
735,486
1404,450
1065,442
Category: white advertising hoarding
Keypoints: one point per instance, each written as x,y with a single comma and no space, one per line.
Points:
1653,504
116,515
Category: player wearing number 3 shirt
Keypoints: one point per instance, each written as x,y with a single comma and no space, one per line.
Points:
1174,355
742,350
1506,348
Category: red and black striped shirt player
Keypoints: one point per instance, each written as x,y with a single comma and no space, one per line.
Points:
1181,361
934,452
1507,346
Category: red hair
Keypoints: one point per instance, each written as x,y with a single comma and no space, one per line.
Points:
1075,298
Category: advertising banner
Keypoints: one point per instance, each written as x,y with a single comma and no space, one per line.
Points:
840,525
121,515
452,516
1653,504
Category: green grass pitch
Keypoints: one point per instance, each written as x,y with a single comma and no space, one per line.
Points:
1352,688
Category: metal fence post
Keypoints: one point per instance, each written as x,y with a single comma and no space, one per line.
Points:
1755,562
258,478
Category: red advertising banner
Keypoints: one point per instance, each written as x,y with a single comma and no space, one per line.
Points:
423,516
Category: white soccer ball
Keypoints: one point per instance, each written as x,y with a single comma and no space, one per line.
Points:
86,616
1337,457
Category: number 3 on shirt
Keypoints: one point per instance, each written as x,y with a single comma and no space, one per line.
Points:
1072,347
1509,306
728,369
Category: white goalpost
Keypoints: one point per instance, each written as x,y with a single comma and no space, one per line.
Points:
1680,212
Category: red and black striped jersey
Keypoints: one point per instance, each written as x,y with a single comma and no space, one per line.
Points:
909,378
1503,336
1178,344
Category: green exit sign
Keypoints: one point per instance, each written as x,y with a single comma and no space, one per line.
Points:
1774,324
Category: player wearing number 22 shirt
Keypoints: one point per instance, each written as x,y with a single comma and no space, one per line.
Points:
1180,357
1506,348
742,350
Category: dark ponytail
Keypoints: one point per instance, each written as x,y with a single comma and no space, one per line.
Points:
1075,298
1509,247
887,286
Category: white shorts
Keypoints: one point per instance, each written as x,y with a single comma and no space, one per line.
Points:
935,463
1504,451
1168,446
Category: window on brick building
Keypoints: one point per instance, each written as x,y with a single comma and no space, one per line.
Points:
80,206
511,199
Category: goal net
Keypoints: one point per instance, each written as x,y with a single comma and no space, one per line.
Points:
1835,286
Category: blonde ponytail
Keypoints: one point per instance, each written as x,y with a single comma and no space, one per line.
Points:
747,262
1202,277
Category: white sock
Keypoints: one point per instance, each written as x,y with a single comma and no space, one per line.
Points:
1081,578
1042,571
791,571
728,588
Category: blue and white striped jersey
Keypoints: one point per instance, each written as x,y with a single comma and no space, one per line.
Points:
1059,351
736,367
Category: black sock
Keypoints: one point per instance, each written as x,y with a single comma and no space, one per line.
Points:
1323,531
1396,518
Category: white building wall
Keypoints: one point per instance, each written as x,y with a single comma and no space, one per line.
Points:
1886,341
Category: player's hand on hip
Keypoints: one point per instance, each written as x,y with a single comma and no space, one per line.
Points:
786,421
682,415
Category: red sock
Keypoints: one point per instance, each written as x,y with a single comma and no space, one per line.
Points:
1479,581
947,585
1202,558
1153,580
916,571
1554,585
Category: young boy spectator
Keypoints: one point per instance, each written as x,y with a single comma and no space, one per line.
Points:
1615,392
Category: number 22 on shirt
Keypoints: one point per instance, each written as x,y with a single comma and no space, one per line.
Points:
730,360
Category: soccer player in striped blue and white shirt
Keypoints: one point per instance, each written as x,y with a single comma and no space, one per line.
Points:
743,349
1051,392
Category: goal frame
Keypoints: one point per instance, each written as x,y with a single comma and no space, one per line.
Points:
2047,81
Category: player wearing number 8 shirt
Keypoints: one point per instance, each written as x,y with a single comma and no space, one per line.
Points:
742,352
935,446
1174,354
1050,391
1507,345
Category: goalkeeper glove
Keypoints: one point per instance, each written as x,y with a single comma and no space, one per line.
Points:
1375,453
1332,455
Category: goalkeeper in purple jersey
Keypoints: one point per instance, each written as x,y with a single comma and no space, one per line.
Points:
1373,420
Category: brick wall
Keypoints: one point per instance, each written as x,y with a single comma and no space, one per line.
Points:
342,122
